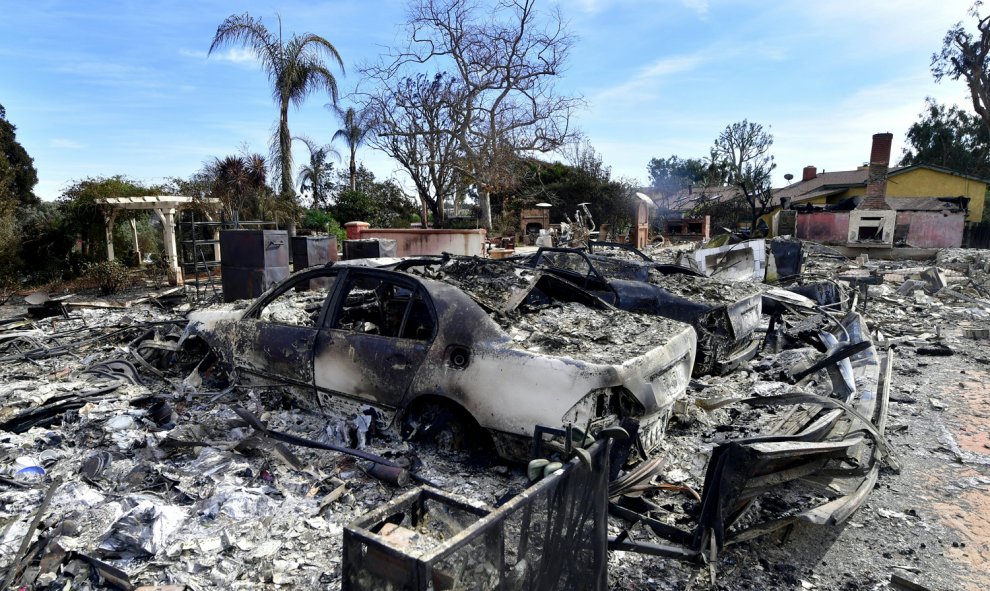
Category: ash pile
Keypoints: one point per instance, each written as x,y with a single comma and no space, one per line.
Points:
131,456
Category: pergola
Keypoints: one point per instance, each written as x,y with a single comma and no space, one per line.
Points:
166,206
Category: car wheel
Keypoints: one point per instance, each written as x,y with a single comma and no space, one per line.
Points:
439,425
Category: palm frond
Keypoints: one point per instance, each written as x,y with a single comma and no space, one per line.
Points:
243,29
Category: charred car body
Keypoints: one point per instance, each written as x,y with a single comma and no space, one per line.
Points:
814,458
724,316
420,350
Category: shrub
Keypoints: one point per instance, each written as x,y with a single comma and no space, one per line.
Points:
10,243
322,221
109,276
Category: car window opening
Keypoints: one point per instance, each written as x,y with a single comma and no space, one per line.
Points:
298,308
386,309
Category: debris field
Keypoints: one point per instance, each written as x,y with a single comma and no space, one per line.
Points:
852,452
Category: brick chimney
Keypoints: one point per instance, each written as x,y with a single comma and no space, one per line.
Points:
810,172
876,184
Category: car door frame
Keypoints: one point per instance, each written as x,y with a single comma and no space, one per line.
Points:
334,309
277,291
572,276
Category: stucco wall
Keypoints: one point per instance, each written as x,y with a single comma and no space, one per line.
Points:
825,227
925,229
923,182
932,229
411,242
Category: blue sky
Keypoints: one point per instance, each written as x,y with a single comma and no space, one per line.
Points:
125,87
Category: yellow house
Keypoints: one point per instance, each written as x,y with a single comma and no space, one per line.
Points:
919,180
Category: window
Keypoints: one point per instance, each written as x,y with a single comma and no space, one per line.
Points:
382,307
298,308
567,261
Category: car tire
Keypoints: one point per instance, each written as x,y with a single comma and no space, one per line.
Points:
437,424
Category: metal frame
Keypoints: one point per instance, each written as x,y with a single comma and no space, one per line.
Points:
373,561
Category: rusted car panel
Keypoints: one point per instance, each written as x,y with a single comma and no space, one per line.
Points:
391,339
725,316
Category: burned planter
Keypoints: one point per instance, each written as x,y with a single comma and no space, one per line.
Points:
251,261
313,251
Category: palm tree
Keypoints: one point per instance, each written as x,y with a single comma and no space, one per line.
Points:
355,130
312,175
239,182
295,68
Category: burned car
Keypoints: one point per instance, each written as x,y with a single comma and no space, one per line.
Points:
807,448
725,316
431,359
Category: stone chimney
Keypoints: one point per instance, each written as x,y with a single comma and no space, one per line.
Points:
876,184
810,172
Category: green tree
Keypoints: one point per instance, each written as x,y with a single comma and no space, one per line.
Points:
948,137
583,179
296,67
17,173
967,56
321,221
313,175
239,181
355,129
381,204
10,243
85,218
671,175
47,238
742,150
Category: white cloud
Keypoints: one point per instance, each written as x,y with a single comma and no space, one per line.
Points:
838,138
699,6
651,75
193,53
590,6
101,71
67,144
234,55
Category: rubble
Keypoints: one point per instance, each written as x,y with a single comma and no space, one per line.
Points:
116,472
724,315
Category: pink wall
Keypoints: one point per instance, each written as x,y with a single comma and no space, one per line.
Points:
926,229
411,241
823,226
933,229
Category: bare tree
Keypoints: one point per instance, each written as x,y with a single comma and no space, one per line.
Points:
964,55
506,58
412,118
742,150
